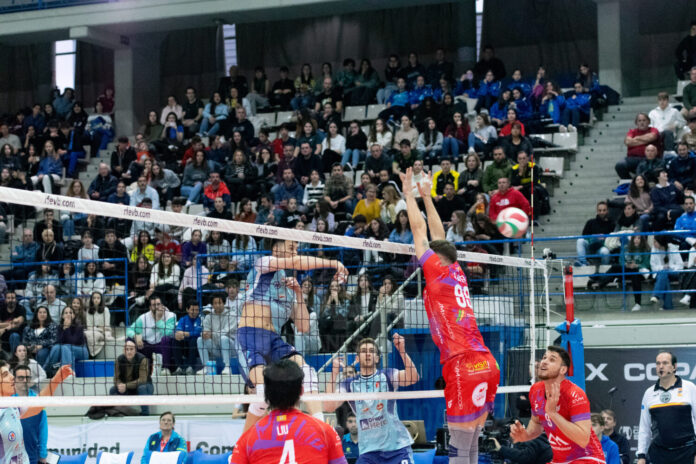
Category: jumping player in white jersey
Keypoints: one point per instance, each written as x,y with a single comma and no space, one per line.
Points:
11,437
272,298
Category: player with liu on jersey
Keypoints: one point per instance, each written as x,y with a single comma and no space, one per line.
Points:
286,435
470,371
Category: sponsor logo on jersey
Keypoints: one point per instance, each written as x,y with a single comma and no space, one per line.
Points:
461,314
478,397
380,406
480,366
557,443
12,436
372,423
282,418
576,398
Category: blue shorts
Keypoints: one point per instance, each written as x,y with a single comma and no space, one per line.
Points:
400,456
258,347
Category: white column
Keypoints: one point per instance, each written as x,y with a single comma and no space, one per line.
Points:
618,48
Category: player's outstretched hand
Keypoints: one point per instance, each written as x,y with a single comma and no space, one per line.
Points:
425,185
517,432
292,283
407,181
341,275
399,342
63,373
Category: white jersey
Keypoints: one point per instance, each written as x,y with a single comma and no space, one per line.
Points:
11,438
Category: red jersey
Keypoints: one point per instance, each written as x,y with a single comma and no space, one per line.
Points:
450,312
574,406
511,198
289,437
639,150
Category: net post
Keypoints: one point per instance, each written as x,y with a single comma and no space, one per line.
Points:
420,282
385,336
532,323
548,305
125,290
199,284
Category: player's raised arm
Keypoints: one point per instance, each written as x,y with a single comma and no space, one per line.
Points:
409,375
304,263
337,365
300,314
63,373
437,230
415,219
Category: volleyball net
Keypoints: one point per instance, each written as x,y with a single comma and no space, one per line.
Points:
174,286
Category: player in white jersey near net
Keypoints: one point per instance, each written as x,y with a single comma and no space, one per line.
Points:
382,436
11,437
272,298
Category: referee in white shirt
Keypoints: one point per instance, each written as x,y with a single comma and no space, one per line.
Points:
668,417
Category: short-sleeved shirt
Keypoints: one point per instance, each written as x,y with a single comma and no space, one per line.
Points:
269,289
12,438
574,406
450,311
379,426
289,437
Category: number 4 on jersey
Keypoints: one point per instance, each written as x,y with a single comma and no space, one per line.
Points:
288,456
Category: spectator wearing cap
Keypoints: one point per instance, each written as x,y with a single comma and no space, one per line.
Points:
283,89
143,191
132,374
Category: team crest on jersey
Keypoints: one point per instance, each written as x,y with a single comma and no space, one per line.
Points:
380,406
12,436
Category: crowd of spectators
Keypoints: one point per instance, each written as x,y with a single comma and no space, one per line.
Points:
208,156
659,175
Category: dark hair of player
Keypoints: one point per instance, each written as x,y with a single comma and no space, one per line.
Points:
444,248
283,384
565,357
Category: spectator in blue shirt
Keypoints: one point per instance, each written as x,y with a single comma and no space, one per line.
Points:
516,82
419,92
351,448
188,329
289,188
577,107
267,213
487,92
214,114
397,103
164,440
519,102
611,450
120,197
20,257
34,428
36,119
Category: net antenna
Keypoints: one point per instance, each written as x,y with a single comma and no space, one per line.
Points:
502,290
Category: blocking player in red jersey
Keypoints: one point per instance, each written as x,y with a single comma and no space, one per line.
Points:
286,435
562,409
470,371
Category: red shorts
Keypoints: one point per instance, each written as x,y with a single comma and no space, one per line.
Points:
471,383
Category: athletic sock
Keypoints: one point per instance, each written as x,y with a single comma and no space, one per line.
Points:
473,449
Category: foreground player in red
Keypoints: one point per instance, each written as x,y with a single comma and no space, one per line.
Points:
286,435
562,409
470,371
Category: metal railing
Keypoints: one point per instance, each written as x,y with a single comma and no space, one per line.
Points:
12,6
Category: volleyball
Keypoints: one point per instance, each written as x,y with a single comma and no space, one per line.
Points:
512,222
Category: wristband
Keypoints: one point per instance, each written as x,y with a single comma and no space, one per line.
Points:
641,456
